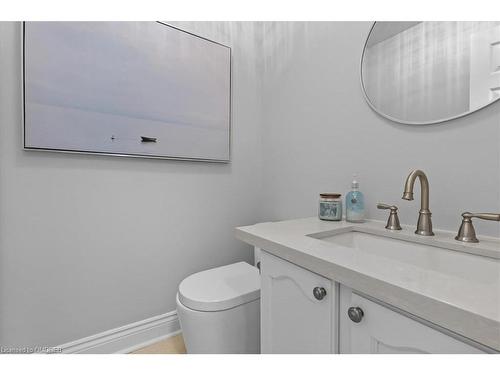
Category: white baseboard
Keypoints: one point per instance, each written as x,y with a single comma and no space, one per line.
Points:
127,338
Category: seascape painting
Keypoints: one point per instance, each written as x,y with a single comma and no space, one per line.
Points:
126,88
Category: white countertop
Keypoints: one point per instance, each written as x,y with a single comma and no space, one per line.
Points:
457,287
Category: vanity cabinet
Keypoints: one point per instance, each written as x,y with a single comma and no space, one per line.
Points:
303,312
378,329
298,313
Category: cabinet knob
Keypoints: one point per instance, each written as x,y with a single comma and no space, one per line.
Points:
319,293
355,314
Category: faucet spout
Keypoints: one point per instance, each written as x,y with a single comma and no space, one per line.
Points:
408,196
424,224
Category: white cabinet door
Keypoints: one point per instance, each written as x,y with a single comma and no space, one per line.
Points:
293,319
382,330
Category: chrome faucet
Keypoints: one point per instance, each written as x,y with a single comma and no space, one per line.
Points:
424,223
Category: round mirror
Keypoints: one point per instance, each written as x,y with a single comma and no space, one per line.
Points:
429,72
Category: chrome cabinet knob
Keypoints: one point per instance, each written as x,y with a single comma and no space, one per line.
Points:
355,314
319,293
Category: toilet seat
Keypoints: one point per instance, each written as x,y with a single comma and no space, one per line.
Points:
220,288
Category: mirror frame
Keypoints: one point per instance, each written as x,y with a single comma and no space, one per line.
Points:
399,120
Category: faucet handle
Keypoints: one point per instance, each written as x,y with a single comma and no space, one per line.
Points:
484,216
384,206
466,232
393,221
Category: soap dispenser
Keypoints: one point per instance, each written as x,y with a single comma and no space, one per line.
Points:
355,203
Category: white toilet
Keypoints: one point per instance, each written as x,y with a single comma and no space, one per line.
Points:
219,310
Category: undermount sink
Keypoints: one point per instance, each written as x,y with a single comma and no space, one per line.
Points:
379,245
402,254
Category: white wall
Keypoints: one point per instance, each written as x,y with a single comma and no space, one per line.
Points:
319,130
89,243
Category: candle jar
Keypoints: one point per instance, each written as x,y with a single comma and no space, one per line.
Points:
330,207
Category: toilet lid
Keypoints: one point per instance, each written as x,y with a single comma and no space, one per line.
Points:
220,288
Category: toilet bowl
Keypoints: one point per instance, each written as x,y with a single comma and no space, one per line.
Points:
219,310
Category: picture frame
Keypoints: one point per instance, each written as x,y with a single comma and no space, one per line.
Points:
55,120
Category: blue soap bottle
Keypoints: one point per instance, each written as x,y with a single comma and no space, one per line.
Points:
355,203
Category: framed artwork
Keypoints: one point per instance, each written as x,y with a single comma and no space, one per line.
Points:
141,89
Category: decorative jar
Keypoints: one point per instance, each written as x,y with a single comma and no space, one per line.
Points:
330,206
